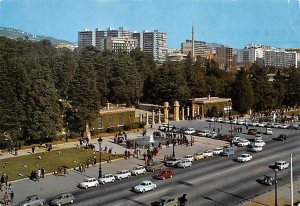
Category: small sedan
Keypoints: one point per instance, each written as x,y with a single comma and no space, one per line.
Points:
256,148
88,182
145,186
184,163
244,158
217,151
164,175
63,199
190,131
243,143
281,137
208,153
32,201
189,157
106,179
138,170
260,143
198,156
121,174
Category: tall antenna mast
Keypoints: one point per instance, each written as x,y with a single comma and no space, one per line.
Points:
193,46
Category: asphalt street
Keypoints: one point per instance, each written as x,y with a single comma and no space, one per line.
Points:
213,181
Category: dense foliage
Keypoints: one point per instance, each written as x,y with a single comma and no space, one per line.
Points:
44,89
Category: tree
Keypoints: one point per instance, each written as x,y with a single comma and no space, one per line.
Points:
242,93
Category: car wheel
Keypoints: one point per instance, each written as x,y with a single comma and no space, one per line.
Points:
113,180
42,203
59,204
171,176
71,201
143,191
163,178
103,182
96,185
86,187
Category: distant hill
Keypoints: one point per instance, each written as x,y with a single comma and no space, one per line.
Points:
15,33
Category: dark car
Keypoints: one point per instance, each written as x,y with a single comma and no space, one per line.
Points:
164,175
252,131
62,199
33,200
281,137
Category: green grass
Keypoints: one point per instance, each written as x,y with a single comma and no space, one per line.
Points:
50,161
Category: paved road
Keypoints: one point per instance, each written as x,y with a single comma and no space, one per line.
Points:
216,181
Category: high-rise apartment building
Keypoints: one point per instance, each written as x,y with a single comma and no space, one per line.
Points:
85,38
249,55
118,44
280,58
155,43
224,57
200,48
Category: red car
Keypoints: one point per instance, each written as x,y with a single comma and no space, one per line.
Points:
164,175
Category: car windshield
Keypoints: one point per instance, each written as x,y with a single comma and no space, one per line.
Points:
143,184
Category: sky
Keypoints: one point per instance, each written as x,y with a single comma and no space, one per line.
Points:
231,22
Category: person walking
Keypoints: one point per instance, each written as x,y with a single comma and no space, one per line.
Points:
32,149
5,198
12,195
182,200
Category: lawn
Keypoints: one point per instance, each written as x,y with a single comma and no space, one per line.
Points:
20,167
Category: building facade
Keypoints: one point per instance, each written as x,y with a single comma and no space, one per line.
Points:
85,38
155,44
280,58
200,48
224,57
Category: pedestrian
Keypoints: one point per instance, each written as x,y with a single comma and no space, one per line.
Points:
32,149
12,195
5,198
5,179
42,172
9,186
182,200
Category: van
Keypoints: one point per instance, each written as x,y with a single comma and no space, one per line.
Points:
269,131
227,151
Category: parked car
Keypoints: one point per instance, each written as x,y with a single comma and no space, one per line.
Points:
235,139
32,200
243,143
88,182
122,174
164,175
190,130
244,158
183,163
198,156
106,179
153,166
63,199
262,124
217,151
269,179
269,131
145,186
284,126
138,170
168,201
282,164
252,131
281,137
189,157
228,151
259,142
213,135
276,125
208,153
204,133
256,148
173,161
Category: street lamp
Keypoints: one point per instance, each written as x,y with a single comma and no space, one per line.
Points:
100,153
174,142
276,202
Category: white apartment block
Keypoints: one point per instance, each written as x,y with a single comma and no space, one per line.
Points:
155,43
280,58
200,48
118,44
249,55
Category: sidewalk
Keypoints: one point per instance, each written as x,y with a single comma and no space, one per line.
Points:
52,185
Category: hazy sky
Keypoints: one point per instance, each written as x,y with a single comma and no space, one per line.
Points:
232,22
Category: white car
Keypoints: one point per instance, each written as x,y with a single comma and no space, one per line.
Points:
256,148
122,174
262,124
88,182
189,157
276,125
190,130
284,126
183,163
213,135
259,142
217,151
204,133
145,186
106,179
258,137
269,131
244,158
282,164
198,156
138,170
235,139
243,143
208,153
173,161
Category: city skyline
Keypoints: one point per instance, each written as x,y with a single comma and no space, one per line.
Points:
232,22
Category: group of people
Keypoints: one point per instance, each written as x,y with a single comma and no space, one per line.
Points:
37,174
8,195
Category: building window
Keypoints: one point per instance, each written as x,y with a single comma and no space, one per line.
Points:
100,122
121,120
110,121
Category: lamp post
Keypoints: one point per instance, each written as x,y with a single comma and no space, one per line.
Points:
276,202
174,142
100,153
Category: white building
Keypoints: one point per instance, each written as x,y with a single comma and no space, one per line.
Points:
280,58
249,54
155,43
